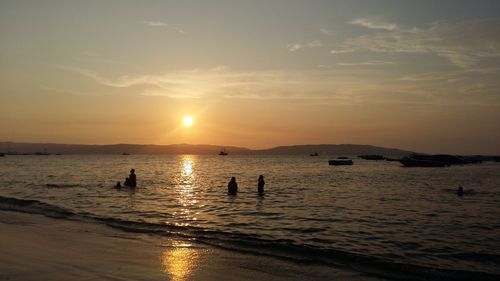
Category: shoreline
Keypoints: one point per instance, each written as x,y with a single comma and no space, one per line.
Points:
35,247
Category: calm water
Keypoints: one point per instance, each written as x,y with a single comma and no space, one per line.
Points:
372,209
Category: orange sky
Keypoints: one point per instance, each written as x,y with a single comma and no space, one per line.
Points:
414,76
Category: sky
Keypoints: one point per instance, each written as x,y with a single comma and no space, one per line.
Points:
418,75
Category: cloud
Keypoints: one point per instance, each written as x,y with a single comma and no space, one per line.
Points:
160,24
315,44
365,63
462,44
341,51
368,23
154,23
337,84
325,31
294,47
297,46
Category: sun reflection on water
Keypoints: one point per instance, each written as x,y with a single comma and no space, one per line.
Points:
186,187
187,166
180,261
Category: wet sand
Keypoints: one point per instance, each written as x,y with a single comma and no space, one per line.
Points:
34,247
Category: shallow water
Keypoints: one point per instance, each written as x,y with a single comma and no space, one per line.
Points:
373,209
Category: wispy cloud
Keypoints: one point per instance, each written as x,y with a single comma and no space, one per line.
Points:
373,24
365,63
325,31
294,47
342,50
315,44
297,46
154,23
462,44
160,24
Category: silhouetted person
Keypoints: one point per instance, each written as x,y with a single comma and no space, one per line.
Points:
118,185
232,187
132,179
260,185
460,191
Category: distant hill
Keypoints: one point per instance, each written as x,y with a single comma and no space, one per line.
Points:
322,149
335,149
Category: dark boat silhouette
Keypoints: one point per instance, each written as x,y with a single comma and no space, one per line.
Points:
223,152
314,154
372,157
340,161
435,160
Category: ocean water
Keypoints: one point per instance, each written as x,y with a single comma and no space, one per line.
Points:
373,214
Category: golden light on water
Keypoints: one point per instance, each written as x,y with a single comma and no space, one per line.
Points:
180,261
187,167
187,193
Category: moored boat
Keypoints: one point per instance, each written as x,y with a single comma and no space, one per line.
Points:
412,162
372,157
340,161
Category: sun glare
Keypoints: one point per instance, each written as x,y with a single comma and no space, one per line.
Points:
187,121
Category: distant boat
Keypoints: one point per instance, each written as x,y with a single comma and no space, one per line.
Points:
413,162
435,160
340,161
314,154
223,152
372,157
125,153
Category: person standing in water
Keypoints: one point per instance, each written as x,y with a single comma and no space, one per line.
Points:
260,185
232,187
132,179
460,191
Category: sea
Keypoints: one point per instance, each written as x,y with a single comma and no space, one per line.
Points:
374,216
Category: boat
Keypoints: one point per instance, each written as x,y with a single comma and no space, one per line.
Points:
125,153
223,152
413,162
372,157
314,154
434,160
2,154
340,161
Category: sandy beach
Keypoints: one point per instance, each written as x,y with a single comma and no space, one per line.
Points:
35,247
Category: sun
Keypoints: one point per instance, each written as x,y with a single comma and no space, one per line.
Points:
187,121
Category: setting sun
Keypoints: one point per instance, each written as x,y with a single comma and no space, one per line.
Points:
187,121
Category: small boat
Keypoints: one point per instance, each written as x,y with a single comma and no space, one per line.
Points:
372,157
223,152
314,154
340,161
125,153
409,161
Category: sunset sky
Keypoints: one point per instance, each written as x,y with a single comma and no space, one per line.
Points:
418,75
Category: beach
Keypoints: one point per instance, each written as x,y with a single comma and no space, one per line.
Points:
35,247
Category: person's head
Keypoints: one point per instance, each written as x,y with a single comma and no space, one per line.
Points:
261,177
460,188
132,171
233,179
